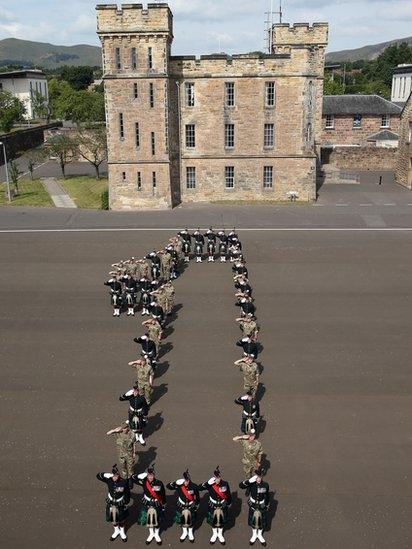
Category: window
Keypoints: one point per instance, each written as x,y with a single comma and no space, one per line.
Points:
139,181
154,180
269,136
150,58
386,121
229,136
267,177
151,95
329,122
229,94
357,121
135,90
118,60
124,176
137,132
153,144
229,177
121,126
1,85
190,94
190,136
270,94
190,177
134,59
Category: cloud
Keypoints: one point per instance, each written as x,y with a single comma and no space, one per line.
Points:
199,25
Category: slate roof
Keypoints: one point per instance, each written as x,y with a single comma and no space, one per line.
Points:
358,104
384,135
30,73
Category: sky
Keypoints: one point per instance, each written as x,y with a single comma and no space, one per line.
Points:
209,26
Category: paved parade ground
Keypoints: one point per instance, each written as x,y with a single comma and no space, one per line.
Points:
335,316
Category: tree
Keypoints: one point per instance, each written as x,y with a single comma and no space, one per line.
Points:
92,146
63,148
79,78
14,173
333,87
34,157
40,106
11,110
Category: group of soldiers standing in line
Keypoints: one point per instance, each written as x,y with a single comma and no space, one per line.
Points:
151,277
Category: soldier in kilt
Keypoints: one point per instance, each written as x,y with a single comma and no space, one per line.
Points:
154,496
118,498
187,498
258,502
220,497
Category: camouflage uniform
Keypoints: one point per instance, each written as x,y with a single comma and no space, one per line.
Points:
154,330
161,298
135,270
170,297
143,373
166,264
252,454
125,450
248,327
250,372
145,269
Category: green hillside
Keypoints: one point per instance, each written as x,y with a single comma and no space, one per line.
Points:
367,53
37,54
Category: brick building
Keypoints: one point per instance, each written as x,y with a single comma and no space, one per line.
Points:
359,120
403,167
182,129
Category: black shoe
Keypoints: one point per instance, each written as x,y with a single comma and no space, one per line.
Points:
124,540
135,340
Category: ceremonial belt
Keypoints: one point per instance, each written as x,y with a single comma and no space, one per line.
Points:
134,410
153,493
250,414
185,502
219,492
256,501
113,499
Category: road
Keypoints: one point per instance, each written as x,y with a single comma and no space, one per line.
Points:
334,309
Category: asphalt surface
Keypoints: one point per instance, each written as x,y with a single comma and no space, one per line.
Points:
334,309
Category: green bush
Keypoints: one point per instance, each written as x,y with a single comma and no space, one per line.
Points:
105,200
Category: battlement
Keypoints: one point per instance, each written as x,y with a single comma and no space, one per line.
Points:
300,34
134,18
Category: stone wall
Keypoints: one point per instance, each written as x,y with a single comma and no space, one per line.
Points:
403,168
345,134
360,158
22,140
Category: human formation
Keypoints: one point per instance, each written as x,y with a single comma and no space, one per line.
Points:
145,284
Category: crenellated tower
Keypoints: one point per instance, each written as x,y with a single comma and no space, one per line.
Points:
136,45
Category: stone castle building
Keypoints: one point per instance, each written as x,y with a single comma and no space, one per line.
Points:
184,129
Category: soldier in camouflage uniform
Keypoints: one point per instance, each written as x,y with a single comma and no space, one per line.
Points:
144,377
145,268
169,290
252,452
154,329
125,440
165,264
250,371
249,327
161,298
135,269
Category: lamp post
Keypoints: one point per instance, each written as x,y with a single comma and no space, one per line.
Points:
7,171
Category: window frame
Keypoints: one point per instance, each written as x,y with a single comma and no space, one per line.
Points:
229,179
267,184
190,96
139,181
270,104
153,143
133,58
230,95
269,143
190,136
150,57
118,58
154,181
121,126
135,90
191,181
151,95
229,136
137,134
331,118
387,117
357,125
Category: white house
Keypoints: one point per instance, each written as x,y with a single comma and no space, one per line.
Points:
23,84
401,84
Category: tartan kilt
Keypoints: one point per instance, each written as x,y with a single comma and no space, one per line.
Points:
142,518
123,513
211,511
264,517
178,516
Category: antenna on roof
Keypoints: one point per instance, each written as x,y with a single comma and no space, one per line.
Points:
269,21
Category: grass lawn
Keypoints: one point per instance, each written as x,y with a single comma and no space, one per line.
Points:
86,191
31,193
